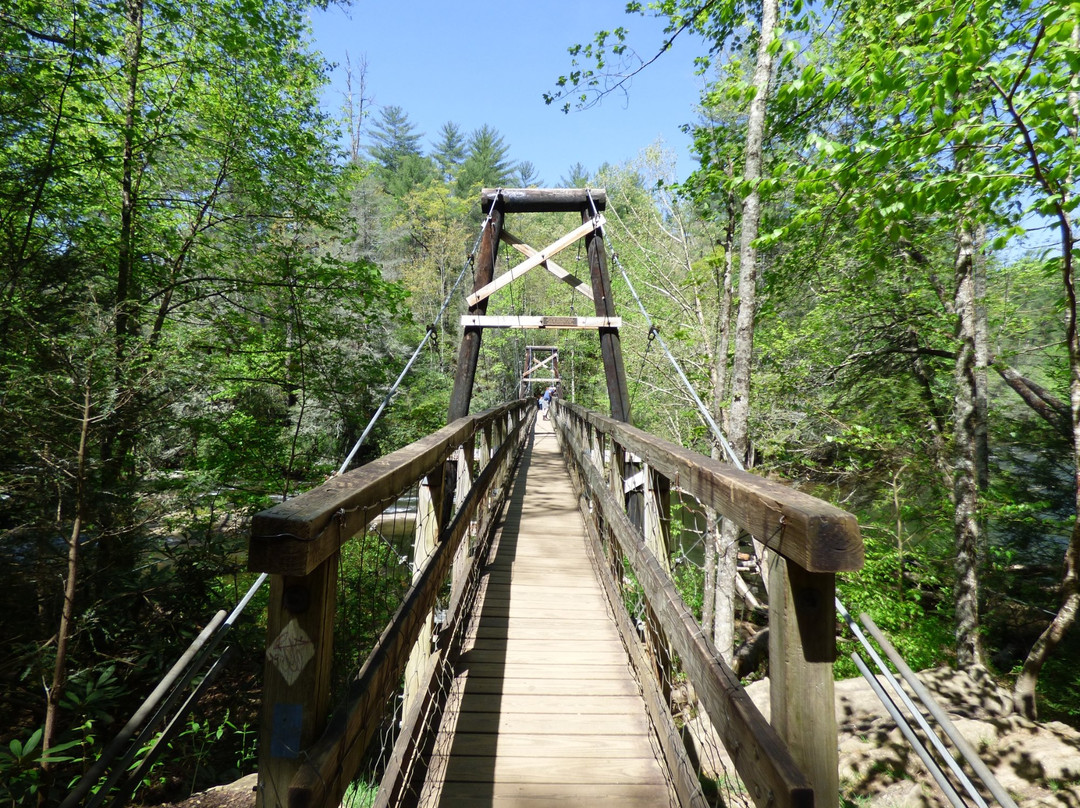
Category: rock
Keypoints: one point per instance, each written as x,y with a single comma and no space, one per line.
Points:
238,794
1038,764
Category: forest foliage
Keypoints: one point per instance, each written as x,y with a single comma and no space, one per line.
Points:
203,299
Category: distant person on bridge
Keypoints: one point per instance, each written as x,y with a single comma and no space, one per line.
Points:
545,401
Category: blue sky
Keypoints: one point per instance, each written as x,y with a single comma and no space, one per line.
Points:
475,63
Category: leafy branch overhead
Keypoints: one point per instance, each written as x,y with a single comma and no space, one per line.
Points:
608,63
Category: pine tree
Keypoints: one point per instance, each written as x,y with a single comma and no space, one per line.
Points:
449,152
577,176
394,138
486,162
527,176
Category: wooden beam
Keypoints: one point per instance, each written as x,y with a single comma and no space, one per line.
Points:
817,536
534,321
543,200
604,303
556,247
562,274
802,650
294,537
469,350
537,365
759,755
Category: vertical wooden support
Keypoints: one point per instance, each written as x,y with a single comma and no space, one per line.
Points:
429,510
656,526
296,676
499,433
657,517
615,471
464,551
485,452
486,449
469,352
802,649
610,346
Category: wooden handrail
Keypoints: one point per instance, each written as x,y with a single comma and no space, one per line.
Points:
298,542
759,755
332,762
294,537
793,760
817,536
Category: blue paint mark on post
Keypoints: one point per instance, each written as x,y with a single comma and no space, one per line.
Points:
285,732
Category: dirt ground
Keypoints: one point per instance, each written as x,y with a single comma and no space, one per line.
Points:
1038,764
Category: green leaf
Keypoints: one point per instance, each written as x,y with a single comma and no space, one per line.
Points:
33,741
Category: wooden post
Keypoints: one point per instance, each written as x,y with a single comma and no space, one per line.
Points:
296,675
802,649
656,527
464,552
469,352
429,510
657,517
610,346
615,471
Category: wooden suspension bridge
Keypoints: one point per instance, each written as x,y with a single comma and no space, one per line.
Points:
513,672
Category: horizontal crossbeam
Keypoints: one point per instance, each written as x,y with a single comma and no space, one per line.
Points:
544,200
513,321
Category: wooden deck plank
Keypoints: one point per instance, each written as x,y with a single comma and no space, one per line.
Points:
545,709
548,704
565,656
534,686
562,770
530,671
532,747
515,795
547,724
542,631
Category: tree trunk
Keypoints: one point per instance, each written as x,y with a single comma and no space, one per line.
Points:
727,559
713,605
739,418
725,285
1024,692
119,436
708,598
125,322
750,222
982,365
966,523
67,614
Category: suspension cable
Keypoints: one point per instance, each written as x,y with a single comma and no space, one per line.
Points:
170,688
735,461
976,764
430,332
653,332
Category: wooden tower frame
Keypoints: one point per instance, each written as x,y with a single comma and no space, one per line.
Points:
541,367
497,203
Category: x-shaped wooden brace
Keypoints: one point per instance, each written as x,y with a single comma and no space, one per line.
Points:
537,365
540,258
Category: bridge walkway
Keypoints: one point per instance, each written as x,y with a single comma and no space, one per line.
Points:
544,709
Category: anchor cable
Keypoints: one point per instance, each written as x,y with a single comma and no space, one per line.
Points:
470,258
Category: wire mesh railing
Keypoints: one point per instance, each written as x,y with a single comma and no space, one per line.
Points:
716,743
370,572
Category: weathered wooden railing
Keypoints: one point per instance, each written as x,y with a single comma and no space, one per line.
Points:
306,758
793,761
